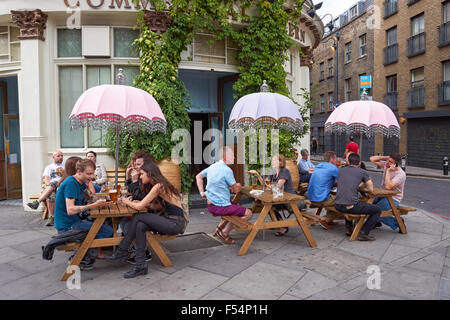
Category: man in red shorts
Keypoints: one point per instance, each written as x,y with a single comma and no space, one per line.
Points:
219,180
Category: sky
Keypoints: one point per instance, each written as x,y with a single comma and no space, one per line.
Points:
334,7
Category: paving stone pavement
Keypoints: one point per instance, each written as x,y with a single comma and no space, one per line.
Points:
411,266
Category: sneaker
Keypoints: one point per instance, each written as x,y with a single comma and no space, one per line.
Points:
348,230
33,205
132,258
50,221
364,237
86,265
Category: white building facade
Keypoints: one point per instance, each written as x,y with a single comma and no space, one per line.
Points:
51,51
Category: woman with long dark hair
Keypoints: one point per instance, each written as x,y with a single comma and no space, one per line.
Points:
172,222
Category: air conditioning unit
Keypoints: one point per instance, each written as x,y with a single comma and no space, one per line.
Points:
96,41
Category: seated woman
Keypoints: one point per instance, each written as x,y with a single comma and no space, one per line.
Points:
100,171
171,223
282,177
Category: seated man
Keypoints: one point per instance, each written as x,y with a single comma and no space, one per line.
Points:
350,180
69,203
52,175
322,181
305,167
219,179
394,178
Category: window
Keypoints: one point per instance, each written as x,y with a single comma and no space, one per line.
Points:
69,43
362,46
391,84
417,77
123,43
71,87
9,44
353,12
418,24
348,89
322,103
348,52
322,71
391,36
446,70
446,9
330,67
330,101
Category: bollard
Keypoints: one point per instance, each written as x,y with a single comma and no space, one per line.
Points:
445,165
404,162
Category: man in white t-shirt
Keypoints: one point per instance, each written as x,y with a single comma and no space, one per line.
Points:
52,175
394,178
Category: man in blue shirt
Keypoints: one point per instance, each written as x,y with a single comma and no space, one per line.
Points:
219,180
322,181
69,203
305,167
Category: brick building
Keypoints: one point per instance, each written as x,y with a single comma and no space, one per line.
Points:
412,76
345,54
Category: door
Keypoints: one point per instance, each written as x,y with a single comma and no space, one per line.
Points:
215,121
10,157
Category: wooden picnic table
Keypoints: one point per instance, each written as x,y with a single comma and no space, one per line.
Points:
115,211
267,200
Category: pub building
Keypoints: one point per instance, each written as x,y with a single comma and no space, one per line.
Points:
51,51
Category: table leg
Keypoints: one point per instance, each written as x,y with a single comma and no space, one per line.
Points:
303,225
396,213
256,226
84,246
237,197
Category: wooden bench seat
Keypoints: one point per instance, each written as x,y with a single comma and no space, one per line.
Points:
240,224
362,218
36,197
153,240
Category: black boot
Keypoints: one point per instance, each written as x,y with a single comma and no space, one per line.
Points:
138,270
120,253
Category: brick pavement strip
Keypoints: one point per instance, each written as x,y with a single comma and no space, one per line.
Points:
413,266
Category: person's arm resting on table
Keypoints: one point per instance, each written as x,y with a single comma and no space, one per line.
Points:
73,209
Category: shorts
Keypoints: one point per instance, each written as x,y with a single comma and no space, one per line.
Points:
52,196
231,210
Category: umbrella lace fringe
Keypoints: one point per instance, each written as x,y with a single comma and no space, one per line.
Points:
267,123
342,128
132,123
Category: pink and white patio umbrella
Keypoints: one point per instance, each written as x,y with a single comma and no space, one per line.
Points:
364,117
119,107
265,110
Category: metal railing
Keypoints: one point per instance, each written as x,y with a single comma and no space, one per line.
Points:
390,99
390,7
444,93
444,34
390,54
417,44
416,98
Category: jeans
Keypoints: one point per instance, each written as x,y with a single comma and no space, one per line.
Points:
105,230
143,222
372,210
383,203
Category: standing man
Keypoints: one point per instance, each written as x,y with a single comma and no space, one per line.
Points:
69,203
352,146
394,178
351,179
220,179
52,175
314,145
305,167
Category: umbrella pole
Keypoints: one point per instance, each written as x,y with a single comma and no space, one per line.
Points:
117,157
